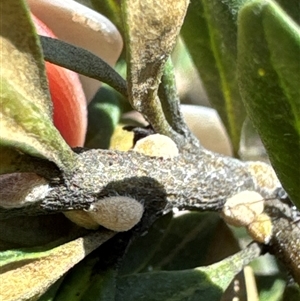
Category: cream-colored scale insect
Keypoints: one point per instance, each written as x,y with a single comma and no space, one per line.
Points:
246,209
121,213
117,213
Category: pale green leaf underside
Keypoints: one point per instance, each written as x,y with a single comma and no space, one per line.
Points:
26,128
26,108
149,42
27,274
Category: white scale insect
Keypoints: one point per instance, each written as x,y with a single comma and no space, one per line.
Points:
246,209
117,213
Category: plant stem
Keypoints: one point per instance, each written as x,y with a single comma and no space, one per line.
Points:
191,180
285,241
195,181
171,103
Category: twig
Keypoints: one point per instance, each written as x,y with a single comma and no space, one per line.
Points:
202,181
285,240
193,181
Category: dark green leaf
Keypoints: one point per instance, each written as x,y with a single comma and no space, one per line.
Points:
144,248
291,293
190,241
66,55
292,7
51,292
12,160
30,231
87,282
210,33
95,277
179,243
207,283
270,287
171,103
192,285
269,76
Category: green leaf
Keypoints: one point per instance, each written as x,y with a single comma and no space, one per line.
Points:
170,101
15,256
95,277
24,274
271,287
205,283
103,115
87,282
210,33
66,55
25,111
269,76
184,241
31,231
291,293
149,41
192,285
188,240
144,248
292,7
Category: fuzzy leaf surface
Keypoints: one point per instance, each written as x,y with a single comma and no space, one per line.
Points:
26,108
25,274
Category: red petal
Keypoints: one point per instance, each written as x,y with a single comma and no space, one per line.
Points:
69,102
